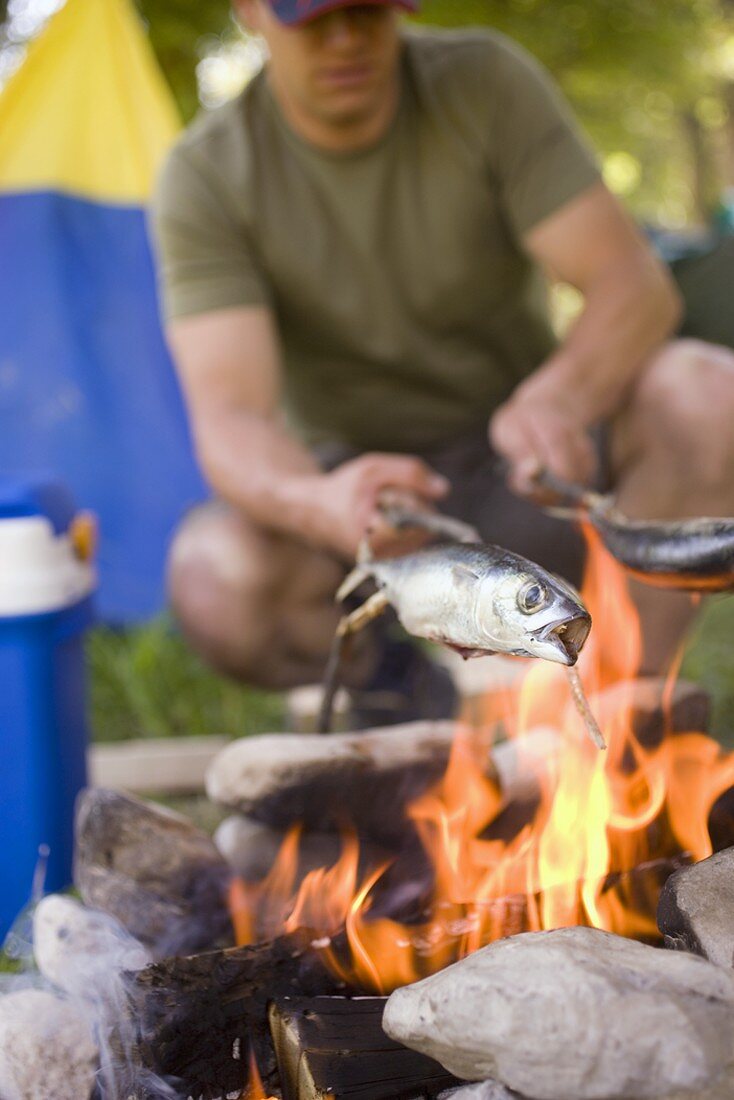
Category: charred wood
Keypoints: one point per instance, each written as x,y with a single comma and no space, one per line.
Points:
197,1019
335,1047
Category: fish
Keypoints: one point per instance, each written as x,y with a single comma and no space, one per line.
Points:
694,555
480,599
472,597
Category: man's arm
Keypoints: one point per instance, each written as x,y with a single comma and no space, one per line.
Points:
229,364
630,308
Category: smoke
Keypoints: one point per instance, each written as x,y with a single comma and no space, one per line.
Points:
78,961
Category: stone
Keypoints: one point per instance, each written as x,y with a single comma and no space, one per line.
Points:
79,949
492,1090
366,779
251,848
486,1090
655,709
574,1014
151,869
696,907
46,1048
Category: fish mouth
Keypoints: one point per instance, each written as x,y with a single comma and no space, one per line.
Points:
567,636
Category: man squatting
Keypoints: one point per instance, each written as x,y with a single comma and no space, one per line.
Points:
354,256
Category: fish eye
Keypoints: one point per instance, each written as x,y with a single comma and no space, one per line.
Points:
531,597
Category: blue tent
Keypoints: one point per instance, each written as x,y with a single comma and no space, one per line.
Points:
87,388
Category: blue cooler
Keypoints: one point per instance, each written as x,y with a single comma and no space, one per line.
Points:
46,585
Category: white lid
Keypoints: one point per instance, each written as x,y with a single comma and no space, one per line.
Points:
39,570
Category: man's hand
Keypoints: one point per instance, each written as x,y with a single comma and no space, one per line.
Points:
630,308
538,430
345,502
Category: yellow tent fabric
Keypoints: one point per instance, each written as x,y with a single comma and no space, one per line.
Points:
88,113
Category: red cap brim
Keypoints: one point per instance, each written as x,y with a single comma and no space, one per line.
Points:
294,13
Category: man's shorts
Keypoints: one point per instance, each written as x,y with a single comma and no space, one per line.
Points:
479,496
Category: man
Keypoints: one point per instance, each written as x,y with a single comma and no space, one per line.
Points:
352,257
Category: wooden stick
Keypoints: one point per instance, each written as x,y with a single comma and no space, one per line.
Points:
335,1047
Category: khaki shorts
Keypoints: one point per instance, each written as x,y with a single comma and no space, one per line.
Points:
479,495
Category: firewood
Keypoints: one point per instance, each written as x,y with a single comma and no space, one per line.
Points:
197,1019
335,1047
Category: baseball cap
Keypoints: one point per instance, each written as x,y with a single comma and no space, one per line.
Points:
295,12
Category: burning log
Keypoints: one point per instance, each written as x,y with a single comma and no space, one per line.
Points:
197,1018
162,878
335,1047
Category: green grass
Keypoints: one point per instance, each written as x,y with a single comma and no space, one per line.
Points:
9,966
709,661
145,682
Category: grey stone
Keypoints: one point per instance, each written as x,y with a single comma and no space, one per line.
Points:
152,870
696,909
46,1048
78,949
251,848
574,1014
485,1090
492,1090
368,778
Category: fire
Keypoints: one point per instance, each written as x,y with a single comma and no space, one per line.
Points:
255,1089
594,851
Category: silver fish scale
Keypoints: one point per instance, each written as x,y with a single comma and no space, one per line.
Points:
435,592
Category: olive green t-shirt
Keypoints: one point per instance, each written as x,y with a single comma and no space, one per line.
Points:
405,303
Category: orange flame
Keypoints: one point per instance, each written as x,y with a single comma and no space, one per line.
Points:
592,853
255,1089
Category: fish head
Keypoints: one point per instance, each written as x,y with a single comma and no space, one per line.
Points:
539,614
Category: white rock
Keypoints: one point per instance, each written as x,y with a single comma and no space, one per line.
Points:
248,846
46,1049
574,1014
696,905
251,848
486,1090
370,777
79,949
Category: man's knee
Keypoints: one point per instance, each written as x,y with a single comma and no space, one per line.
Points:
241,597
684,403
687,383
217,555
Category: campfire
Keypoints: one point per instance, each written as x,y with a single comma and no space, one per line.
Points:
368,863
601,834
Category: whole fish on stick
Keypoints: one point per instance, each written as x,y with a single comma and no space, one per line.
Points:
475,598
695,555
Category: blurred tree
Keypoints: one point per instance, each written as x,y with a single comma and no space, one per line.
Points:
181,32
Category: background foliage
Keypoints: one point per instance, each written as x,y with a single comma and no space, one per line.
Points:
653,82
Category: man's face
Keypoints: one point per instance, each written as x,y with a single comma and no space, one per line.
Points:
339,68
